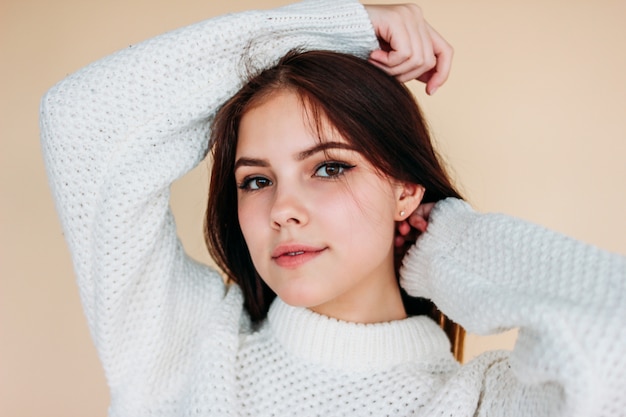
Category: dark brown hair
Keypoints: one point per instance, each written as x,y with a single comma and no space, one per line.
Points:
372,111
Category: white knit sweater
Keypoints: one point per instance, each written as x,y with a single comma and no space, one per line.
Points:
175,341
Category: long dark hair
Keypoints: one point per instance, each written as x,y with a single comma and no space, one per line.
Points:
376,114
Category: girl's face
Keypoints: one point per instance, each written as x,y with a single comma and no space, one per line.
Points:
316,216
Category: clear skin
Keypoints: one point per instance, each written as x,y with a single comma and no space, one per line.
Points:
319,221
327,215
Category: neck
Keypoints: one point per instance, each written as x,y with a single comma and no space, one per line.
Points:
383,303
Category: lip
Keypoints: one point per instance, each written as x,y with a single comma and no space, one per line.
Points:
295,255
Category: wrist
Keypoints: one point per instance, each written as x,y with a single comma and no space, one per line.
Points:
448,222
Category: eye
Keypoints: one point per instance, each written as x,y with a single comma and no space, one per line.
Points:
254,183
332,169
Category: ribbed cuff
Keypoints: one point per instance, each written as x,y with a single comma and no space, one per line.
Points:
448,222
340,26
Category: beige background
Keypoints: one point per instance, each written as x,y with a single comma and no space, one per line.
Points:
533,121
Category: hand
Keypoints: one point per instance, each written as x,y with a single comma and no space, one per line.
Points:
414,225
410,47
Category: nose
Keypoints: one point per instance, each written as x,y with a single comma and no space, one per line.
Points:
289,207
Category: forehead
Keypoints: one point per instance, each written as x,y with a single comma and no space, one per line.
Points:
283,121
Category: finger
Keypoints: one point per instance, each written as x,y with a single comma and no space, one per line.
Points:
443,52
398,47
421,58
425,58
404,228
422,212
420,53
417,74
418,222
400,73
408,70
389,24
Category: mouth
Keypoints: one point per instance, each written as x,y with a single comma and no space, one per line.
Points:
293,256
300,252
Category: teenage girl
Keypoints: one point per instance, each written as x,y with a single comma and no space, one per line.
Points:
317,157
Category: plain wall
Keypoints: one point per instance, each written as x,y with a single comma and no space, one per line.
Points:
532,121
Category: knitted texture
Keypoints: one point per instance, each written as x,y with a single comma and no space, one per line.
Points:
493,272
175,341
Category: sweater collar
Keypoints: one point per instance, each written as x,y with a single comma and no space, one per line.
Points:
355,346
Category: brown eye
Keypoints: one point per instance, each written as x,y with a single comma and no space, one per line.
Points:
332,169
255,183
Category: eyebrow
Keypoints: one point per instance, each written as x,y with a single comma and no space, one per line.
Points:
255,162
322,147
251,162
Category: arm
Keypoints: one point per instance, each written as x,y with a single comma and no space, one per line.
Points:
116,134
491,272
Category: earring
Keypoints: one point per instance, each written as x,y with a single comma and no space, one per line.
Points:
402,213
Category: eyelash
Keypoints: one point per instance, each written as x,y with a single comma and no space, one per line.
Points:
245,184
341,166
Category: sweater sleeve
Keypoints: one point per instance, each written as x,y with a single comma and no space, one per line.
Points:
117,133
491,272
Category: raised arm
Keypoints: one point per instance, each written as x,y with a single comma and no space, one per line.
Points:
117,133
491,272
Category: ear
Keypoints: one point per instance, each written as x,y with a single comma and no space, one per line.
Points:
408,198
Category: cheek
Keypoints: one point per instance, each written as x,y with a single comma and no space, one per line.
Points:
364,212
250,218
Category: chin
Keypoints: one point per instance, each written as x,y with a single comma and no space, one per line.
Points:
300,298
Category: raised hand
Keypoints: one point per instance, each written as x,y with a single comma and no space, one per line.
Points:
410,47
